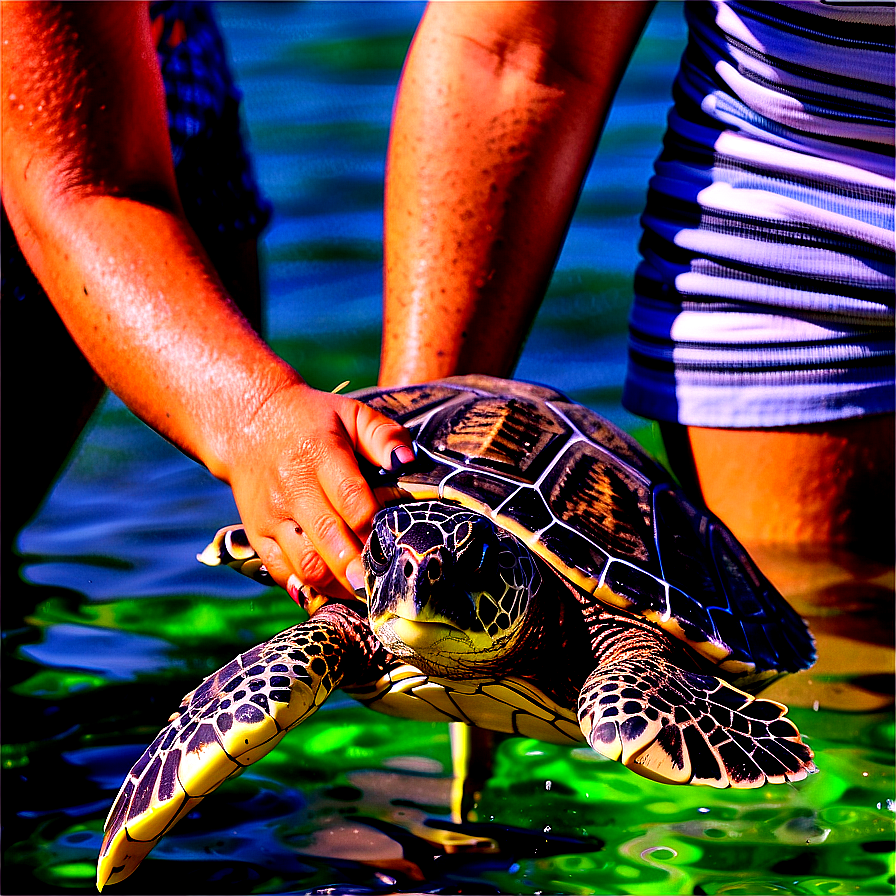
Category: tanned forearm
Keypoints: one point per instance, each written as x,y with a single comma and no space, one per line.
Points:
499,110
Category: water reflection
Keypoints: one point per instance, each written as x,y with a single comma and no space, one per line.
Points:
849,604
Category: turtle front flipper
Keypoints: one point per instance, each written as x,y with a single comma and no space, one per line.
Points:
236,716
230,547
683,727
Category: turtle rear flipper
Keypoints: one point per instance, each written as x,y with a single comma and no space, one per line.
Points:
683,727
234,718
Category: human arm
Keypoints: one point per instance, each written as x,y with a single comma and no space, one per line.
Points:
89,188
499,110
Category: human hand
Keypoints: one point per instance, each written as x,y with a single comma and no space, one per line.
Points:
306,507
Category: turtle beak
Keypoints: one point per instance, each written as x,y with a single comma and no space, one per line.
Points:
410,637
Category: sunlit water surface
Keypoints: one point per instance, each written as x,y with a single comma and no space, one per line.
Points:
113,620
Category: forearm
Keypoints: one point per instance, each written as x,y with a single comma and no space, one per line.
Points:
88,184
144,304
499,110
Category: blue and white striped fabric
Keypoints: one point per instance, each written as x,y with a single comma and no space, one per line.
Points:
766,292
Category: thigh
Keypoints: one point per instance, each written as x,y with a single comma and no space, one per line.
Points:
828,485
48,393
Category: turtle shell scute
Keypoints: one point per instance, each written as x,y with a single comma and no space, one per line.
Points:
620,444
604,502
643,592
718,595
406,403
527,508
583,560
489,490
513,437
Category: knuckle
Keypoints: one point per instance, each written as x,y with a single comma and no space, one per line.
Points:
353,493
312,569
325,528
300,462
388,429
271,556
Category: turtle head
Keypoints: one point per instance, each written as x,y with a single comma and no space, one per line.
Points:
448,590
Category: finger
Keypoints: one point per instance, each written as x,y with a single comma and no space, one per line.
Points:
293,562
354,499
319,554
276,549
350,495
378,439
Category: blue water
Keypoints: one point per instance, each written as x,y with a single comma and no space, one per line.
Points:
114,619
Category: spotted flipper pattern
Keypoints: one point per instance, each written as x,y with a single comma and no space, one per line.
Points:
234,718
682,727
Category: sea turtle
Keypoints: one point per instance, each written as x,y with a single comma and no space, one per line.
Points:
542,576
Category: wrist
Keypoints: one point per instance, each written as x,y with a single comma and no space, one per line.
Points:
244,417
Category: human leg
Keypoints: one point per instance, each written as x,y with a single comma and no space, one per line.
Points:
824,485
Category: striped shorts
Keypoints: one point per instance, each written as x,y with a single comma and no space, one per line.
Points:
766,292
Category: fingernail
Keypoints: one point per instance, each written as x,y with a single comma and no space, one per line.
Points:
400,457
294,589
354,572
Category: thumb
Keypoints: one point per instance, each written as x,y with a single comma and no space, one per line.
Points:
382,441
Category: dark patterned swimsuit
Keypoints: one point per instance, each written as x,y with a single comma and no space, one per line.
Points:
217,185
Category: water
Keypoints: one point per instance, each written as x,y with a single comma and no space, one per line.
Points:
113,620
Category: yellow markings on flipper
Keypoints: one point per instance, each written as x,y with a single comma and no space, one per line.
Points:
151,824
656,763
571,729
230,544
122,853
255,733
205,769
253,754
612,749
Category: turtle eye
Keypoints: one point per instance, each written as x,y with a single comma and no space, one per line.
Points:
375,554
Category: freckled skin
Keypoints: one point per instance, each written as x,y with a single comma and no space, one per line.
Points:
499,109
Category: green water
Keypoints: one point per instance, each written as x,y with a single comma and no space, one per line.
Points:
113,620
